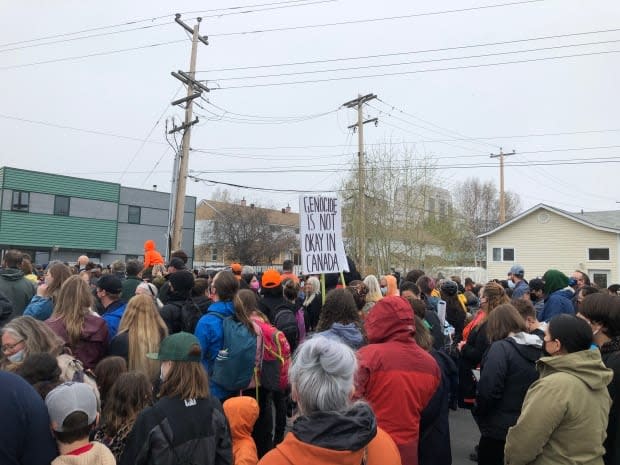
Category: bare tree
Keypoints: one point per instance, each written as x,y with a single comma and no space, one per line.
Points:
247,234
477,210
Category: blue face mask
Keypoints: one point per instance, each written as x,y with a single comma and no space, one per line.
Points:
17,357
383,290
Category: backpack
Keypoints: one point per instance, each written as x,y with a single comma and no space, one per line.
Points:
285,320
234,366
276,358
190,314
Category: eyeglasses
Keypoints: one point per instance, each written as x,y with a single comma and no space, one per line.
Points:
9,347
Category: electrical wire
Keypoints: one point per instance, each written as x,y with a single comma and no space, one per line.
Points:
384,55
240,186
419,71
414,62
155,18
373,20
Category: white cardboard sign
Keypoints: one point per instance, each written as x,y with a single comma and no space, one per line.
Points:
320,228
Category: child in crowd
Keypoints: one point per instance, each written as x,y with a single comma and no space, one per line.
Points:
73,414
242,413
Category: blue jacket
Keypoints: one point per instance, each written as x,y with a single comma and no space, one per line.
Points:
556,304
113,316
521,288
28,440
40,308
210,333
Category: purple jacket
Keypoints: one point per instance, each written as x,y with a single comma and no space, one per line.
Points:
93,343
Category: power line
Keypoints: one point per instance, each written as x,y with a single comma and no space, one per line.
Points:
109,33
384,55
266,189
414,62
401,73
90,55
572,161
373,20
441,129
144,20
289,147
70,128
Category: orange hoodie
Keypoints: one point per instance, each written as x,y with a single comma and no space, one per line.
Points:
242,413
151,256
331,438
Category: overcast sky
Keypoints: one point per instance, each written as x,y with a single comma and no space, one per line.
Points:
521,106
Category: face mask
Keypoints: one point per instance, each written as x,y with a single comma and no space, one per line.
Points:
383,290
161,373
511,284
17,357
254,285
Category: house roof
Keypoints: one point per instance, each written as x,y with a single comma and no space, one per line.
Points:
608,221
208,209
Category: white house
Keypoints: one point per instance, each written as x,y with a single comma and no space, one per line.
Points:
545,237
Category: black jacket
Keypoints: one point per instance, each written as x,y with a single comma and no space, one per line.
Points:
470,358
610,353
175,431
434,441
433,320
507,371
171,312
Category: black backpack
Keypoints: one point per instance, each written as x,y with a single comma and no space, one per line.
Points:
190,314
284,319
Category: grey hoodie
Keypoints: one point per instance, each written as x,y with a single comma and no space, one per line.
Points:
350,334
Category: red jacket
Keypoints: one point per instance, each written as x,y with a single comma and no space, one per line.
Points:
395,375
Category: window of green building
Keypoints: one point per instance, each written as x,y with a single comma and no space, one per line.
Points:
20,201
133,215
61,205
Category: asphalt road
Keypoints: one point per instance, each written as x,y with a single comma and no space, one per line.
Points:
464,436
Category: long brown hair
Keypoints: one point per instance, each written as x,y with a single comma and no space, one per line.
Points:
502,321
496,296
339,307
146,329
130,394
73,304
59,273
249,300
186,380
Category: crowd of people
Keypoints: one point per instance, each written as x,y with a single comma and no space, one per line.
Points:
151,362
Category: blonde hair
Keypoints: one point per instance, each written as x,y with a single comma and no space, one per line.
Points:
37,338
374,290
145,329
73,304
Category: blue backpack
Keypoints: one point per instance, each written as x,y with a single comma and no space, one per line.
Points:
233,367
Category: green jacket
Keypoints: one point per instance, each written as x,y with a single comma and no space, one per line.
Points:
564,416
129,287
17,289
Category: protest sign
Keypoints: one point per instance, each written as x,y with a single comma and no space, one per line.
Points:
320,228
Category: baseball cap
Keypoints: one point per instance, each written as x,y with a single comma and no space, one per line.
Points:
177,263
271,278
178,348
68,398
110,283
517,270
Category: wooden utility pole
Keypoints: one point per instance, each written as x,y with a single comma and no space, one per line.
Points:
361,171
502,195
194,90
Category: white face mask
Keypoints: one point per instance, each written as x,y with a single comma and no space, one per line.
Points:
383,290
511,284
17,357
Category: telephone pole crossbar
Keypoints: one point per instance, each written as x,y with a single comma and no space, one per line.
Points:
502,194
358,103
194,90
